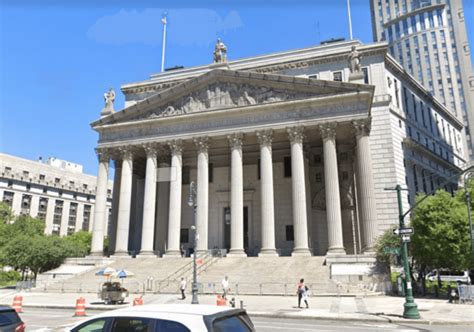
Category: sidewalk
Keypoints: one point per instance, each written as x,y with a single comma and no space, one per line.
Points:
368,309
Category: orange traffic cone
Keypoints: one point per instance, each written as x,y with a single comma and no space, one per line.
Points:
17,303
80,307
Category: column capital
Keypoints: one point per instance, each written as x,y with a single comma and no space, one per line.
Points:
362,127
328,130
296,134
103,154
151,149
265,137
236,140
176,146
202,144
126,152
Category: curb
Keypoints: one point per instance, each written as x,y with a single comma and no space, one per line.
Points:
378,319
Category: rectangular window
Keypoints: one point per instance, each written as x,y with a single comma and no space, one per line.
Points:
42,177
414,107
397,92
365,70
42,208
211,172
337,76
289,233
258,169
26,174
422,110
186,175
184,235
287,167
319,178
8,197
86,218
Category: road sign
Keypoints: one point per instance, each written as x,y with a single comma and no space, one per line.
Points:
405,238
403,231
395,251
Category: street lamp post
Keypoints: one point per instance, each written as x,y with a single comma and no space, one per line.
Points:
468,203
410,309
193,203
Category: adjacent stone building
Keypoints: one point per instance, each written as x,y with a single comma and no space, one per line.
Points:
429,39
55,191
291,153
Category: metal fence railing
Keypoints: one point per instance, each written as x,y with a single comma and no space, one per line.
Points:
466,293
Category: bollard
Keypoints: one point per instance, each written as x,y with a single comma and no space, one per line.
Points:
241,304
80,307
17,303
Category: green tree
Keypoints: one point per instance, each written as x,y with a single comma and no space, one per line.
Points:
6,213
441,237
45,253
386,240
78,244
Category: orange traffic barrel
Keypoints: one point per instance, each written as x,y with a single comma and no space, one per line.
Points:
221,301
80,307
138,301
17,303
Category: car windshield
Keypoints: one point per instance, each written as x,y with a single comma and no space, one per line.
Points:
239,323
8,317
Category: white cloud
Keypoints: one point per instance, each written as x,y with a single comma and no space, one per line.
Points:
186,27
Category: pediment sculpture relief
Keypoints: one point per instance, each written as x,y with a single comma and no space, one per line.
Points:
225,95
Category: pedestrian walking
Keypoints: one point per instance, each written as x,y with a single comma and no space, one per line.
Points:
225,287
302,292
182,288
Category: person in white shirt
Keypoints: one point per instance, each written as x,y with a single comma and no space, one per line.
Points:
225,287
182,288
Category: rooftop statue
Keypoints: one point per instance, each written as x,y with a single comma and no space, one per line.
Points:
220,52
354,60
109,98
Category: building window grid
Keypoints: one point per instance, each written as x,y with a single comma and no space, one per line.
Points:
86,218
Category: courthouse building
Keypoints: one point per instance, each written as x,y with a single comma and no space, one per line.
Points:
290,153
55,191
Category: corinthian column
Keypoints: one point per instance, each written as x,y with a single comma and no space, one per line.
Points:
125,200
300,221
97,245
149,201
174,223
365,186
237,197
266,181
202,211
331,180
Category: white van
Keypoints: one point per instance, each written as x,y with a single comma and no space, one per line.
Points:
447,275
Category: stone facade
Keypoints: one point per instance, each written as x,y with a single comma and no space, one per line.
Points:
55,191
293,142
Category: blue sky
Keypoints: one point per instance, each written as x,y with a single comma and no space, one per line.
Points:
57,58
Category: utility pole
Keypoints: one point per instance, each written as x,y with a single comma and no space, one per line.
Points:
164,22
410,307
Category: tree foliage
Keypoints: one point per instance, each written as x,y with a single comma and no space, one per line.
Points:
386,240
441,237
24,246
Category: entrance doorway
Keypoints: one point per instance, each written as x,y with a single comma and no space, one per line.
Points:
227,220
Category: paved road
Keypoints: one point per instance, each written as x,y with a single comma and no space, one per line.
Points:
44,320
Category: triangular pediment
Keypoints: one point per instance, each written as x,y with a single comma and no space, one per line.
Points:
225,89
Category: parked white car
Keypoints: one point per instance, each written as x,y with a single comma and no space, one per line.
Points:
168,318
447,275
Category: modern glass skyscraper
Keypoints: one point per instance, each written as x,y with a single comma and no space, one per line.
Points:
429,38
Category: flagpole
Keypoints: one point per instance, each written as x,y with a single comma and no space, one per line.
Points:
164,21
349,17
